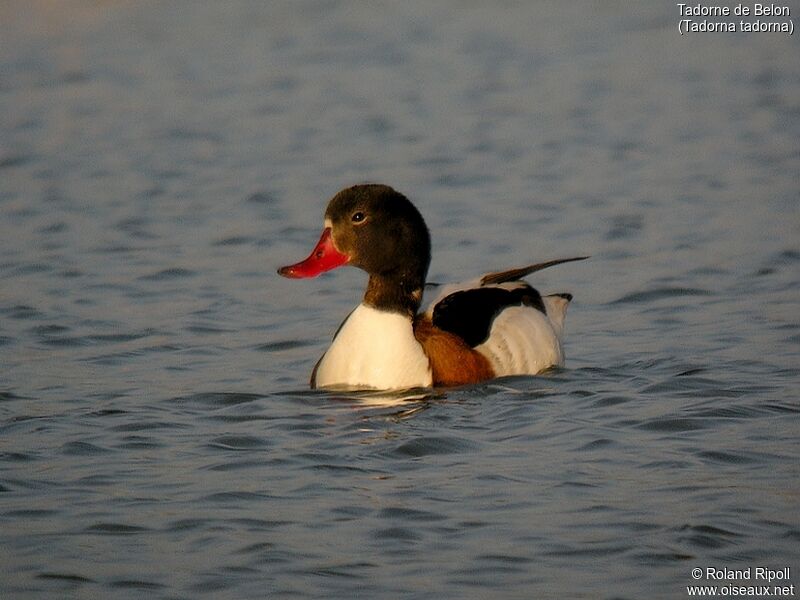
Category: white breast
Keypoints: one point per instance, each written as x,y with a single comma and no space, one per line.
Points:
523,341
374,349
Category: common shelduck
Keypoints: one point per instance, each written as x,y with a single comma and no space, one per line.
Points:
494,326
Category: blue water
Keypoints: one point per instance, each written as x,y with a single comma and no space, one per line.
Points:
158,162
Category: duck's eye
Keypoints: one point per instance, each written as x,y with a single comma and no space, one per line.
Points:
358,217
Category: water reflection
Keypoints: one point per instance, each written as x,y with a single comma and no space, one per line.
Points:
380,398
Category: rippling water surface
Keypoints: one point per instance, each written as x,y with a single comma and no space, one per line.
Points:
158,161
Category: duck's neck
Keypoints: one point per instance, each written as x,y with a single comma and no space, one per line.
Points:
395,292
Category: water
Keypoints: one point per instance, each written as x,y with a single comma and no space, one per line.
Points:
158,161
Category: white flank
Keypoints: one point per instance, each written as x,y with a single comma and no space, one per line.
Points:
375,349
523,341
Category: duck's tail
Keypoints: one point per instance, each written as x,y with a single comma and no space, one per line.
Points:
514,274
556,307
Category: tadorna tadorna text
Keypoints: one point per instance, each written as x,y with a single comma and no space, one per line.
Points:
494,326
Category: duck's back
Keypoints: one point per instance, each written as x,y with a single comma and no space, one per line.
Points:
509,322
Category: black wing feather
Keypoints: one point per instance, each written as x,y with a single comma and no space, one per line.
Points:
469,313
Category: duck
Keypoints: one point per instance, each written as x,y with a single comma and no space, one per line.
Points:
494,326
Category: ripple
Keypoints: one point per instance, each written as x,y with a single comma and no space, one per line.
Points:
731,412
660,294
590,550
136,584
22,311
17,456
707,536
410,514
187,524
235,497
625,227
67,577
169,274
488,566
218,399
140,443
82,449
184,134
206,329
734,458
238,443
32,269
267,553
396,533
343,470
694,386
235,240
57,227
259,524
504,558
435,445
347,571
610,401
658,559
673,424
11,161
285,345
262,197
792,534
147,425
66,342
119,338
113,359
597,444
115,529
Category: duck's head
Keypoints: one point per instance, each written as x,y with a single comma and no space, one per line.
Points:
377,229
